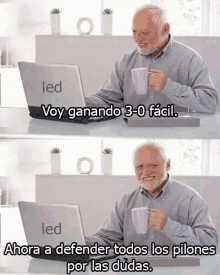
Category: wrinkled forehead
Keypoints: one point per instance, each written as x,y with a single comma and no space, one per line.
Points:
148,154
143,20
144,16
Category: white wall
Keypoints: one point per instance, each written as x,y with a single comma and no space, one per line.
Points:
5,11
4,182
23,19
215,17
27,18
22,159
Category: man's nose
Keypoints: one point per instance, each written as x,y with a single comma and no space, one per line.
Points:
145,170
140,35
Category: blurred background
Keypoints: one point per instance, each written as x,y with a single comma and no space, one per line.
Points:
22,159
22,20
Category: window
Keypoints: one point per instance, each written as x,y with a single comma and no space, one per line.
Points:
186,17
188,157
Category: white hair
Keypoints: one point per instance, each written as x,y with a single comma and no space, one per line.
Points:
151,144
158,14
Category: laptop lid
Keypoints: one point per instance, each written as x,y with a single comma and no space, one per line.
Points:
56,84
51,224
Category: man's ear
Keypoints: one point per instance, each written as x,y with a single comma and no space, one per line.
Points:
166,29
168,165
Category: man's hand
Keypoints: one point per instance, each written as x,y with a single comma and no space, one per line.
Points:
157,219
157,80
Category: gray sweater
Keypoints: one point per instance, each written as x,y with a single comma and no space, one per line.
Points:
188,219
188,82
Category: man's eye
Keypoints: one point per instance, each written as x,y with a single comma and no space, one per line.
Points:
154,165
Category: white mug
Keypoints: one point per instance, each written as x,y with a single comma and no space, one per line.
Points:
140,218
140,80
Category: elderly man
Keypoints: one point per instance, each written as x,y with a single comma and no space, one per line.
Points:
177,74
178,212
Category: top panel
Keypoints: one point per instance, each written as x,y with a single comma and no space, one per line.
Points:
184,105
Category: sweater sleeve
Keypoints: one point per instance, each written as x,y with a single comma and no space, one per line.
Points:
199,230
112,230
200,94
111,92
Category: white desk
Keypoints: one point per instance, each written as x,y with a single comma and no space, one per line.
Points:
209,265
16,122
12,91
9,217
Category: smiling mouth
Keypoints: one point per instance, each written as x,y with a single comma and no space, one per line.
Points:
142,44
148,178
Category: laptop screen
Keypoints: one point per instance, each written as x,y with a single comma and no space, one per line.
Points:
56,84
51,224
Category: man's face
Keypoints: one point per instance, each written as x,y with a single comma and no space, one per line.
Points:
147,35
150,168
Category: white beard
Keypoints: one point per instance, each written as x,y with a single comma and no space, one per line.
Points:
152,50
159,183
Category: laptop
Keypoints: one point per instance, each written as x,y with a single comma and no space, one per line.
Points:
54,86
47,224
56,225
